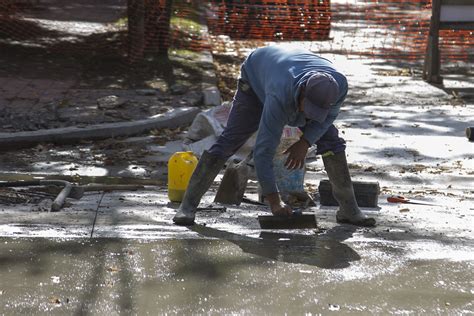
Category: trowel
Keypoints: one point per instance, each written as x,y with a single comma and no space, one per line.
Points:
298,220
233,184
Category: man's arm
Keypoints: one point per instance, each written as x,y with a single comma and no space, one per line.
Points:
311,133
271,126
314,130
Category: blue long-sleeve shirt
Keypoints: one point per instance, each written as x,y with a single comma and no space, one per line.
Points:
276,75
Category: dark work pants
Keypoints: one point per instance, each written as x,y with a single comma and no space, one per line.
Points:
244,120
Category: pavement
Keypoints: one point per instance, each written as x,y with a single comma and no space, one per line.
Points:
118,252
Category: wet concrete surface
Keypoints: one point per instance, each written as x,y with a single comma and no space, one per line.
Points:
273,275
118,252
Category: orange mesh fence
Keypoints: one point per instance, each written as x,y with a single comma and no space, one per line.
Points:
272,20
400,31
394,29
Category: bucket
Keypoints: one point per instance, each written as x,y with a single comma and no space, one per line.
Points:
287,181
181,166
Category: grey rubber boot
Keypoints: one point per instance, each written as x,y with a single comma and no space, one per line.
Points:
206,170
343,191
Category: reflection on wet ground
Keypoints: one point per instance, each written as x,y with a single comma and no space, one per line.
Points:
322,252
224,273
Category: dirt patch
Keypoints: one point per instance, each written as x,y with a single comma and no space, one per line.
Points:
57,62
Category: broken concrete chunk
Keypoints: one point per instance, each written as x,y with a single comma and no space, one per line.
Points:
211,96
110,102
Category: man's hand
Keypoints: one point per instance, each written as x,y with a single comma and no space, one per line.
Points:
277,206
297,154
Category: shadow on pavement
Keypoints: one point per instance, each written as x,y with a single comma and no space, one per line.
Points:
325,252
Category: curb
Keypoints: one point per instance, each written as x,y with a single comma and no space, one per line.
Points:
71,135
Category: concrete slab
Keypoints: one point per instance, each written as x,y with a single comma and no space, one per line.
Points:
143,215
76,220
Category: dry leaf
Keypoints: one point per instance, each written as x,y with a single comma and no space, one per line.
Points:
54,300
113,269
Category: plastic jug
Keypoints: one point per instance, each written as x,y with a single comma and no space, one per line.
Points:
181,166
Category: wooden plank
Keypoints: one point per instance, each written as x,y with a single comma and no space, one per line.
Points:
454,13
300,221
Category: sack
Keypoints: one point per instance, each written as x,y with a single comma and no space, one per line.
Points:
210,122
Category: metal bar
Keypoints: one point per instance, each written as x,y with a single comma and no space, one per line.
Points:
456,26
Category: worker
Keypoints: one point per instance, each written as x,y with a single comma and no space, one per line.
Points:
281,86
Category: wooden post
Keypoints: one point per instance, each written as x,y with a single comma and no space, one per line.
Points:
431,69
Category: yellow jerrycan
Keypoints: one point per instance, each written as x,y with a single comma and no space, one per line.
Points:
181,166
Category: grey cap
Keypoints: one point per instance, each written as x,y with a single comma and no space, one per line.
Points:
321,91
